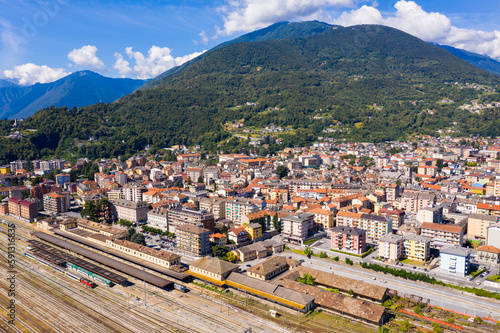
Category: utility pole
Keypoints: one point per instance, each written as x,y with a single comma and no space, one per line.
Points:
144,276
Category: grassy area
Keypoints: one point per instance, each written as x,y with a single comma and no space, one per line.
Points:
310,241
362,255
412,262
494,278
475,243
476,273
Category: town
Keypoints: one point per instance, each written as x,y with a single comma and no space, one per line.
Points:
274,226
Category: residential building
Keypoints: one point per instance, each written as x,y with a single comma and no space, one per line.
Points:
493,235
55,203
158,218
62,178
180,215
17,165
478,224
237,208
193,240
396,215
23,209
194,174
238,235
254,231
390,247
416,247
455,260
348,239
323,219
215,206
443,234
295,228
430,214
376,226
218,239
130,210
488,255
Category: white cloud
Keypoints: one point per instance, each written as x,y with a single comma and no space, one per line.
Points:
432,27
249,15
29,73
204,38
86,57
156,62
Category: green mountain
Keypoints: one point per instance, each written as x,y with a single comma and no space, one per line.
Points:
365,83
77,89
481,61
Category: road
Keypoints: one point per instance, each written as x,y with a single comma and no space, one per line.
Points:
439,296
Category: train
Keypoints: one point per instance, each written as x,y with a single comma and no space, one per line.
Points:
89,275
180,287
62,271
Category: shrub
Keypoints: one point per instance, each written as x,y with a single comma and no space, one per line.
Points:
336,258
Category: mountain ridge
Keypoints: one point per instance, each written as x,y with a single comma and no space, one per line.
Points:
78,89
361,83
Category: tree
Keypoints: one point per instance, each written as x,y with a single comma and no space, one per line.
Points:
200,179
179,183
130,233
308,252
349,261
336,258
230,256
276,223
323,254
219,251
138,238
439,164
281,171
307,279
350,292
224,229
398,182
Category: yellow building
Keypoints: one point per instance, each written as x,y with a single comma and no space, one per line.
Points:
416,247
4,169
254,230
323,219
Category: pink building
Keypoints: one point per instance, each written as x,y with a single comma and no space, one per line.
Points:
390,247
348,239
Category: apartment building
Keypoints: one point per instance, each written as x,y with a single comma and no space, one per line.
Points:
308,184
348,239
193,240
396,215
178,216
478,224
416,247
443,234
323,219
237,208
412,202
455,260
390,247
158,218
194,174
23,209
430,214
55,203
215,206
130,210
295,228
376,226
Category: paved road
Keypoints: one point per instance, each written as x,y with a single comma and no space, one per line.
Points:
440,296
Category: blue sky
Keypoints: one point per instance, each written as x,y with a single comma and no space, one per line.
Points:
43,40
